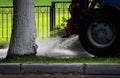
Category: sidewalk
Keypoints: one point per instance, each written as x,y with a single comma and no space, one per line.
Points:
57,47
53,53
3,53
62,50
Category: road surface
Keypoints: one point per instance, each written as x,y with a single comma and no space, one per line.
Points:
59,76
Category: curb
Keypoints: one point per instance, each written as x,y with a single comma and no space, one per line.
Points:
88,68
103,69
9,68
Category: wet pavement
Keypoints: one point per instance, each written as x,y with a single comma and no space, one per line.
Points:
57,47
3,53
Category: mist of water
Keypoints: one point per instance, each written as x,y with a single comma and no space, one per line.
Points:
61,47
57,47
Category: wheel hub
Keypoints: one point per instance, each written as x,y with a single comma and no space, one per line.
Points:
101,33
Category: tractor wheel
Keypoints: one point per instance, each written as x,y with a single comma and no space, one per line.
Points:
99,35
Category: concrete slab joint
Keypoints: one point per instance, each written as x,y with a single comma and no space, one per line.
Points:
84,68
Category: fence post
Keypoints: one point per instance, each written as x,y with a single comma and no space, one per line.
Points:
52,17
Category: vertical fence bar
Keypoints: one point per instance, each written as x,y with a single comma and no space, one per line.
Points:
11,18
7,26
47,21
59,15
2,22
63,9
38,21
52,17
42,25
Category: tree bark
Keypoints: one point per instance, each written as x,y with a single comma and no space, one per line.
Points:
24,30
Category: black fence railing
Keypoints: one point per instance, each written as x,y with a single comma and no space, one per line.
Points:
59,15
48,19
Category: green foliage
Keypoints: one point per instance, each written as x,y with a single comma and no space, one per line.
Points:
64,21
59,30
3,43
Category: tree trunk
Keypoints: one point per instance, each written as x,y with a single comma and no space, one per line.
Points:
24,30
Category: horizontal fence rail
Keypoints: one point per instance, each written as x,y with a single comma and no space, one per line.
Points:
48,19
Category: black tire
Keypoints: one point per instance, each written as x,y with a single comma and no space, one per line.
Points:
99,34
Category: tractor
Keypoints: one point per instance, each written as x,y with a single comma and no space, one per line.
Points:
97,22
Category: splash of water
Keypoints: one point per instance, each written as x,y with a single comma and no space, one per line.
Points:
62,47
3,53
57,47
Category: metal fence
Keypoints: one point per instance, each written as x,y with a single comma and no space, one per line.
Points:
42,17
60,14
6,15
48,19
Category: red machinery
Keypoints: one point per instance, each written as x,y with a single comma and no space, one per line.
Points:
75,9
98,27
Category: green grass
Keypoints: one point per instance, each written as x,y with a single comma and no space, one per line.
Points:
37,2
45,59
5,2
